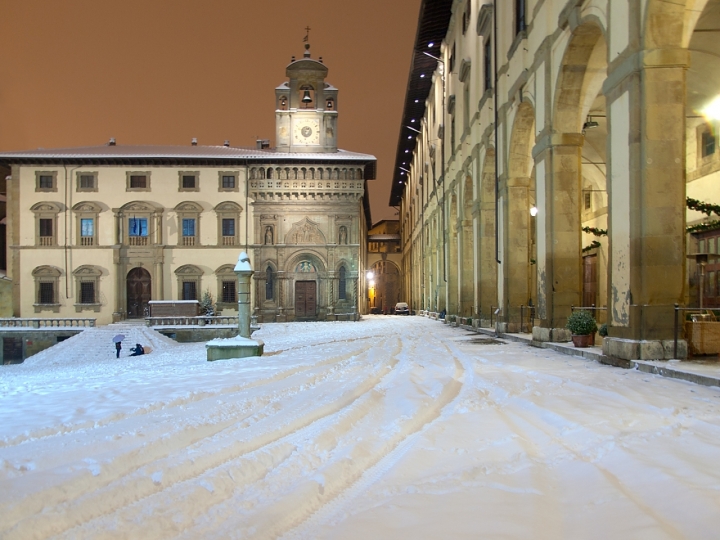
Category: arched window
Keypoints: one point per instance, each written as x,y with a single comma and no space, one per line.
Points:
342,286
269,283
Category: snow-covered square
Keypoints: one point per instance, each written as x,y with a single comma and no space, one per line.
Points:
387,428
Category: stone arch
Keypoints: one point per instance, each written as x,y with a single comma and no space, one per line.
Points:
580,78
670,25
515,225
387,288
305,231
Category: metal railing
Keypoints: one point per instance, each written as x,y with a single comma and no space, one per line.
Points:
13,322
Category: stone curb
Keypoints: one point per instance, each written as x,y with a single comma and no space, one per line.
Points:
597,356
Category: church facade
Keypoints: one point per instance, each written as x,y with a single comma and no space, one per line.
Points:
102,231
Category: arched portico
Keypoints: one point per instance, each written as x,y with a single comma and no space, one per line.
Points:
515,194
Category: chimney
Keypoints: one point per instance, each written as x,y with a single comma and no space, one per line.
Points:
194,141
111,142
226,143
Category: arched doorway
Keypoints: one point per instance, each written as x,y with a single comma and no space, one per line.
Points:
386,291
139,293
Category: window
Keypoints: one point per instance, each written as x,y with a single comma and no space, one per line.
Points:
188,213
46,223
86,181
708,144
138,232
46,288
451,63
46,232
47,293
87,280
228,214
188,227
269,283
87,231
228,181
588,201
87,292
466,16
189,181
188,277
189,291
138,181
228,227
227,287
229,296
45,181
86,215
487,65
342,284
519,16
138,227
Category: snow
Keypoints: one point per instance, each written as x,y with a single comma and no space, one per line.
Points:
391,427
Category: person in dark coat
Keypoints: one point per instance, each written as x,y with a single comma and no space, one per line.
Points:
118,348
137,350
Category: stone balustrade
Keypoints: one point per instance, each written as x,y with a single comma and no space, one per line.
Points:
13,322
200,320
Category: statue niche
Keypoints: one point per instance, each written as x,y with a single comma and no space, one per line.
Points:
305,232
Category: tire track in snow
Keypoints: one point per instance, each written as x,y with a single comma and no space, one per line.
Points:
305,522
104,491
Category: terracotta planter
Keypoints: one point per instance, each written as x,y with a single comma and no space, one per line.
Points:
581,341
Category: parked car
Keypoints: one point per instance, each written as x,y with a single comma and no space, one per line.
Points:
401,308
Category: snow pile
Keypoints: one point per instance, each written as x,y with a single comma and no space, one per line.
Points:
392,427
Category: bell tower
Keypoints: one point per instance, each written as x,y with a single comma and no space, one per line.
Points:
306,108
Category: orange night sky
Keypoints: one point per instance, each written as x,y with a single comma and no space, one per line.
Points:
77,72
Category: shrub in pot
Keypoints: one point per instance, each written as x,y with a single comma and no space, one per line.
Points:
581,325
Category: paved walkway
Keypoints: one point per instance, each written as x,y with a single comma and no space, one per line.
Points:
705,371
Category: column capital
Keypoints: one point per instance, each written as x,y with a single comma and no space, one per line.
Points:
550,140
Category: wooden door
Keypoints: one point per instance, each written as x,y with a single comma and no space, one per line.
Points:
139,289
589,280
305,299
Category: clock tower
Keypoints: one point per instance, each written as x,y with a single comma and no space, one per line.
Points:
306,108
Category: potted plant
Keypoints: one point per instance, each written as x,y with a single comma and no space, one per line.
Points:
582,326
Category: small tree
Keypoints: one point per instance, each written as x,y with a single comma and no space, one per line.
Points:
207,304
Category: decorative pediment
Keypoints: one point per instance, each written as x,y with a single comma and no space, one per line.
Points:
139,206
464,71
305,232
188,270
189,206
88,207
46,271
87,271
228,207
225,270
484,20
46,208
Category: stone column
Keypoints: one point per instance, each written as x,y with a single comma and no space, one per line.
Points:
516,245
559,234
647,212
244,272
488,267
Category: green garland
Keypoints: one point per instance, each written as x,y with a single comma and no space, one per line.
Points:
704,208
595,231
594,244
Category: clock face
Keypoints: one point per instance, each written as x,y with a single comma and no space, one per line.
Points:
307,132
